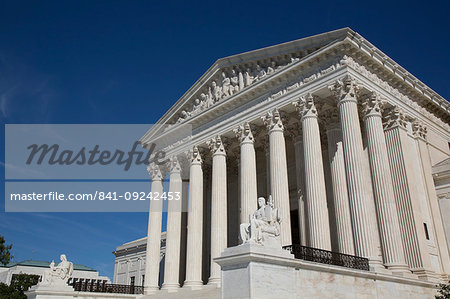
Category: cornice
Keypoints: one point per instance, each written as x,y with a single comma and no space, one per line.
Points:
396,71
301,49
396,93
288,79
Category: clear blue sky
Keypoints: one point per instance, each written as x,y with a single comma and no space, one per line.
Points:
129,61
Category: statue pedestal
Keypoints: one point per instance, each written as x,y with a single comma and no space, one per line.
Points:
256,271
41,291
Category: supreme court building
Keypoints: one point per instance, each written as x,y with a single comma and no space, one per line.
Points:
344,140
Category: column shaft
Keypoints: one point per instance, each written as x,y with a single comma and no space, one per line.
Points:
152,256
316,198
357,184
300,179
173,235
195,222
340,192
388,224
411,224
279,187
218,206
247,171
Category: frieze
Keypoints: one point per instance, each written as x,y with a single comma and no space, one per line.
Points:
308,78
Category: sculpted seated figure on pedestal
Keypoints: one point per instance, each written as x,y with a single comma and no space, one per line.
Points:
264,225
58,275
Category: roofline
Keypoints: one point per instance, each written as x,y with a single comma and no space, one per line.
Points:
343,34
339,34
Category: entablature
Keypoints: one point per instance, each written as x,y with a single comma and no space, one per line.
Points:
351,54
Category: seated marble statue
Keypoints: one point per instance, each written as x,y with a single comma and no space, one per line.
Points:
59,274
264,225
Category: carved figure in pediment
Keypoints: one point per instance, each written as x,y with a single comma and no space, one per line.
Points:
259,72
234,82
271,68
248,79
207,100
216,91
197,107
226,85
183,116
241,81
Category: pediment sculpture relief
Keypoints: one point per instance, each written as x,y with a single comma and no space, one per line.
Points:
228,84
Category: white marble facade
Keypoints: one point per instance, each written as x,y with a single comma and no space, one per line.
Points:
129,264
342,138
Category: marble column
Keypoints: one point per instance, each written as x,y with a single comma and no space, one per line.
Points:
316,196
363,222
390,236
173,235
403,176
218,206
339,185
278,173
195,222
152,255
248,186
300,180
266,148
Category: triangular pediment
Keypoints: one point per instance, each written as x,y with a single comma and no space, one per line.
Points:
228,78
232,74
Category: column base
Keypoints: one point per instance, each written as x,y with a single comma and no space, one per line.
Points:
193,284
445,278
150,290
400,270
375,265
170,286
214,281
426,275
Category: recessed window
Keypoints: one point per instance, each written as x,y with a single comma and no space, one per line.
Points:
427,235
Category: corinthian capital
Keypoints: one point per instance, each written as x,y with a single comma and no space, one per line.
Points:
244,133
395,117
155,172
273,121
195,156
345,89
306,107
216,146
372,105
419,129
174,165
